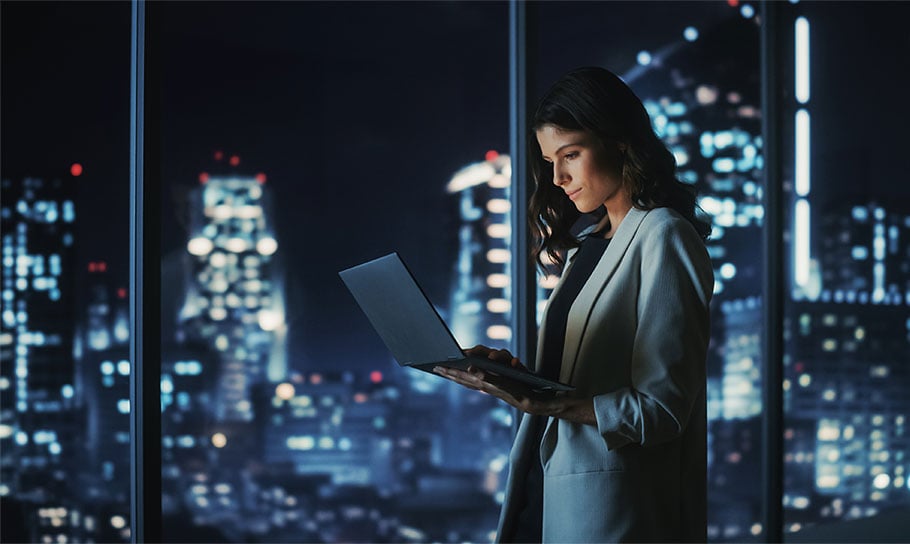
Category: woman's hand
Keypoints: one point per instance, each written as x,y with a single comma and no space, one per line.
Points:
513,393
499,355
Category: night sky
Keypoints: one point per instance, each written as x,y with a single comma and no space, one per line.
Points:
359,113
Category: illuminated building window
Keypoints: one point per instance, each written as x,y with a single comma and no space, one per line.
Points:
499,256
499,230
498,306
498,280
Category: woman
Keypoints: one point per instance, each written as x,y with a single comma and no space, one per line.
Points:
622,458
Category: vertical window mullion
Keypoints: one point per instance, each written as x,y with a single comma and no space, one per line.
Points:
145,340
524,292
773,288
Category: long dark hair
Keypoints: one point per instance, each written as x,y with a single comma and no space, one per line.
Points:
597,101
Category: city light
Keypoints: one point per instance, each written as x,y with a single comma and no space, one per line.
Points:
801,255
802,59
498,205
643,58
200,246
285,391
303,443
498,280
470,176
498,306
802,154
499,332
270,320
219,440
236,245
266,246
499,230
499,256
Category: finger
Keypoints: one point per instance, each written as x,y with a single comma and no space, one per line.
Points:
478,350
501,355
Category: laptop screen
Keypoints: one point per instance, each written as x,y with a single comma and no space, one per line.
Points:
400,311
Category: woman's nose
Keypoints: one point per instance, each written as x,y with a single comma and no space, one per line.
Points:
560,176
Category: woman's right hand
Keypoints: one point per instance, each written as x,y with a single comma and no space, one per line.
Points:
499,355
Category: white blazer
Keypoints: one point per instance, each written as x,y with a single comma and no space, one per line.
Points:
636,341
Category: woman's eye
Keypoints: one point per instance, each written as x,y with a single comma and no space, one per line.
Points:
572,155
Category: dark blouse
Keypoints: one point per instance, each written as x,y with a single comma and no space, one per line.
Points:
530,522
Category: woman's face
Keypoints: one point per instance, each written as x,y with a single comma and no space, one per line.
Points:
589,171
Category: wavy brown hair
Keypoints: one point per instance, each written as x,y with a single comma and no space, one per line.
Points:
597,101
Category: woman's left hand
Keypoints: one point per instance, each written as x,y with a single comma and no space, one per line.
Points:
518,395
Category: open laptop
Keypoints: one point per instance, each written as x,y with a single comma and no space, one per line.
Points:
412,329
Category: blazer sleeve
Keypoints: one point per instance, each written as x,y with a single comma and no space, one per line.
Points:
670,345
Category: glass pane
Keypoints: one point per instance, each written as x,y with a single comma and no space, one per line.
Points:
64,377
695,65
300,139
847,449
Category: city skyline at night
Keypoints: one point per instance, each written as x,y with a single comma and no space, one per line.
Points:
283,416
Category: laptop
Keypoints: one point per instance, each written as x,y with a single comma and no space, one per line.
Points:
411,327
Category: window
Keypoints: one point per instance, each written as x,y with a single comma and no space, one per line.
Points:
696,68
64,376
846,313
299,140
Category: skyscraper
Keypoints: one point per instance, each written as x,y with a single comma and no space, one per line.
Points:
235,302
38,433
846,374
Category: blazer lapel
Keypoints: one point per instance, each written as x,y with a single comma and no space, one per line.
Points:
584,304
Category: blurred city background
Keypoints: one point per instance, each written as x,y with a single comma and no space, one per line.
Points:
299,139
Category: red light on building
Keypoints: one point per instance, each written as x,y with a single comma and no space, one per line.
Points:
491,155
360,398
204,177
76,169
97,266
733,3
121,292
799,367
235,160
219,155
260,178
376,376
316,379
91,267
102,266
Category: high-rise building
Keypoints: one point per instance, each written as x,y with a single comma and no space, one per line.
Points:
481,295
480,304
330,424
235,300
846,373
103,394
38,432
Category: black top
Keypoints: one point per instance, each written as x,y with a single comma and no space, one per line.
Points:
529,527
585,259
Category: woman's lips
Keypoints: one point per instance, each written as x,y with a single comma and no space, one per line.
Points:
573,194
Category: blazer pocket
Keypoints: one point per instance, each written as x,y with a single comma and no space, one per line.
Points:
579,449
